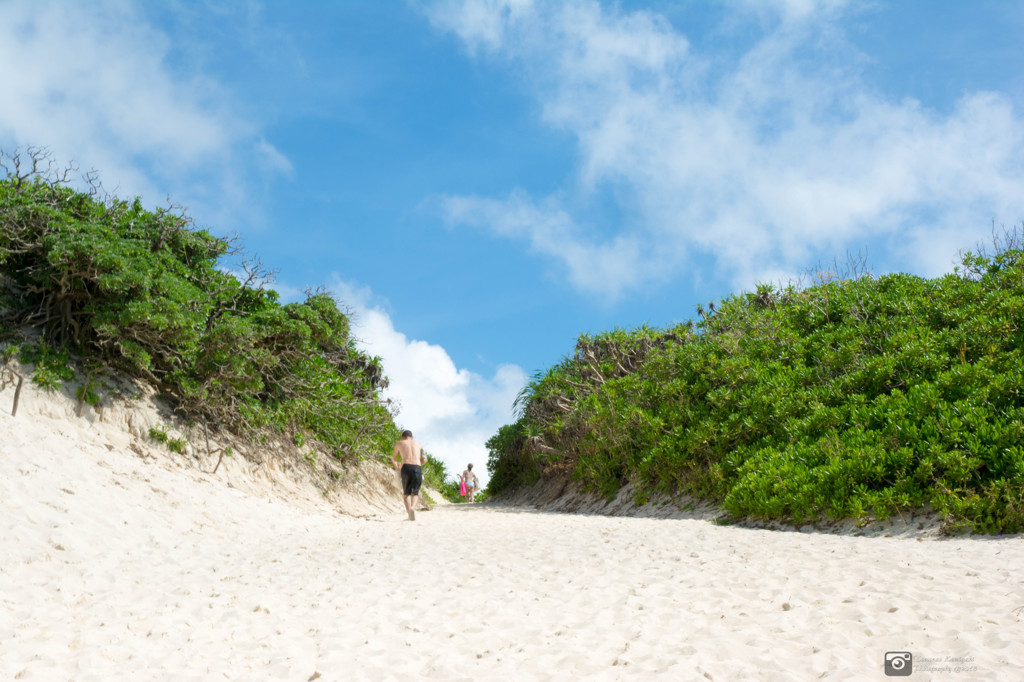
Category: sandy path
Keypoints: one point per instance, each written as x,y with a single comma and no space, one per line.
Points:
113,567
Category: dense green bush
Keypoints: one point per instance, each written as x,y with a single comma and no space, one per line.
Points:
146,292
851,398
435,475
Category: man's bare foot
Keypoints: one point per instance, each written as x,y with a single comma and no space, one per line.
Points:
412,515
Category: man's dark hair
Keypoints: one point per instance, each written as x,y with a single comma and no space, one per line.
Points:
406,434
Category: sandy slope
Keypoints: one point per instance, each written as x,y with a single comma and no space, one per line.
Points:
115,566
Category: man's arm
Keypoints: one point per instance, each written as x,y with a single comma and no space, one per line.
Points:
395,453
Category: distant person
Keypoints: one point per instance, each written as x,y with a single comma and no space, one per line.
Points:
471,482
410,454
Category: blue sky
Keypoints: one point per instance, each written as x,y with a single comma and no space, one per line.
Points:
480,182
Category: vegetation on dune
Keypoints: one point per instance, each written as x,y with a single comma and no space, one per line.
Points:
91,284
852,398
435,475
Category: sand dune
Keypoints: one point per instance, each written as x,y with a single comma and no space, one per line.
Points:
115,566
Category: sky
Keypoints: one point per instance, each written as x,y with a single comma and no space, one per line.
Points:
480,182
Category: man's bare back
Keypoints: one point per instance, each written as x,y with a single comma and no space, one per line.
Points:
408,451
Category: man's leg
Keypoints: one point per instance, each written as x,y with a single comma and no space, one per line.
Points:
410,506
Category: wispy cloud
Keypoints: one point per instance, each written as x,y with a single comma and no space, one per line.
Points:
451,411
93,84
762,162
551,231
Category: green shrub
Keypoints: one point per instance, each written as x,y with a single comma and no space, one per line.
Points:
435,475
9,352
88,395
52,367
148,293
852,398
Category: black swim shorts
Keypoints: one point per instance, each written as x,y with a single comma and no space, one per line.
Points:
412,478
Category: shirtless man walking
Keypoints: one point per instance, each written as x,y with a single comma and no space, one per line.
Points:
410,453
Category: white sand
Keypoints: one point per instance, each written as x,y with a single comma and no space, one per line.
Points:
119,567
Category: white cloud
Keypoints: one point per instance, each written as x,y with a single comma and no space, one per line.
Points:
551,231
482,23
451,411
273,159
91,82
764,162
